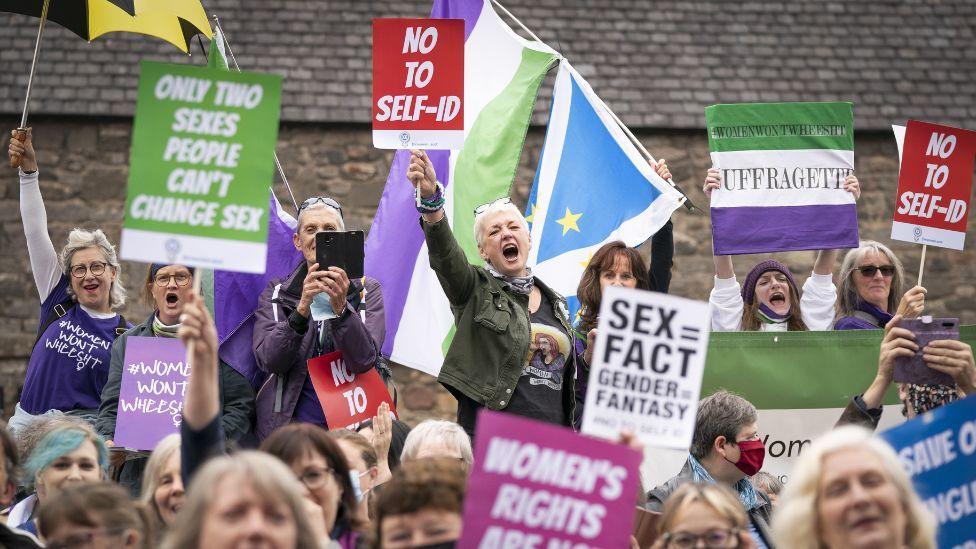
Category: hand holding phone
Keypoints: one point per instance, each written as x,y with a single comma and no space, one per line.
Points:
343,249
926,330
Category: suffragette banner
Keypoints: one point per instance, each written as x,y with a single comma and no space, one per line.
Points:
201,164
938,451
799,381
541,485
783,167
154,377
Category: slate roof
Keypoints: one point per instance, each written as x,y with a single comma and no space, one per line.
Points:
656,63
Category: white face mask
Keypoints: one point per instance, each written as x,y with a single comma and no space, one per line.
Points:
357,488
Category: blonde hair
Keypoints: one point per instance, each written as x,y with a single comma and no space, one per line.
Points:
719,499
795,524
161,454
847,296
497,206
80,239
269,477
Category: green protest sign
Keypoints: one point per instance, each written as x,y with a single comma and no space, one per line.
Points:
201,163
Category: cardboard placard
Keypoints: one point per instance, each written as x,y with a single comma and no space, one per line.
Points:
347,399
934,185
938,450
202,160
647,369
418,83
154,377
539,485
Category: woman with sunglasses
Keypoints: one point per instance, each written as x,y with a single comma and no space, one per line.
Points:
871,283
286,336
166,289
79,290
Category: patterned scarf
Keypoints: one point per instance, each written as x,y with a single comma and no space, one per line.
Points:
520,284
924,398
162,330
769,316
744,488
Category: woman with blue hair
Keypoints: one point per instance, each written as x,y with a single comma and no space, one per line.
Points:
66,455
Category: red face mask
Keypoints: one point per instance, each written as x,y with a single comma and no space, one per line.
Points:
751,455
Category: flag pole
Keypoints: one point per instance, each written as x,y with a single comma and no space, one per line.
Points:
22,129
281,171
921,265
630,135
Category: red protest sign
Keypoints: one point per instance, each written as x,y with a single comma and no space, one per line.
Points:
347,399
934,185
418,83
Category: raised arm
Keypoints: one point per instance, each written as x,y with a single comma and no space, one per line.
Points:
43,257
723,263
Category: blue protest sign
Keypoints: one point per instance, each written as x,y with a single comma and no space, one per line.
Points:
938,449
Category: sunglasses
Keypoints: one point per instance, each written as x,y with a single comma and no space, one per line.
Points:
484,207
869,271
323,199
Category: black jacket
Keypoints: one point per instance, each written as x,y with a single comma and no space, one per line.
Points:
236,394
759,516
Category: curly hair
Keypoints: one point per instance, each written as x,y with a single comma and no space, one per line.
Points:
80,239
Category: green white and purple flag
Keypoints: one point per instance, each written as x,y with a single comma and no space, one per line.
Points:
783,167
502,73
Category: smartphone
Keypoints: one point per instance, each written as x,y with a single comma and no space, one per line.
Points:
343,249
926,329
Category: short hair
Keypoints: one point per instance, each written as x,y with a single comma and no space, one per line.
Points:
269,477
292,442
497,206
720,414
358,441
590,293
437,484
766,483
81,239
721,501
847,296
11,459
31,434
797,513
321,206
399,435
437,431
96,505
62,441
147,287
161,454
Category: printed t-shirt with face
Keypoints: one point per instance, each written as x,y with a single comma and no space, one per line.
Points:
69,364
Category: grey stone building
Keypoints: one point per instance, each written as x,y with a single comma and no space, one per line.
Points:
657,64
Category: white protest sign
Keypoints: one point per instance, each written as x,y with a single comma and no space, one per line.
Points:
648,362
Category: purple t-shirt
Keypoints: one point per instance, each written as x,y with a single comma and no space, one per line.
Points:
69,364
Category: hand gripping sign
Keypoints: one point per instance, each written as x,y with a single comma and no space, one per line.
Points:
934,185
418,83
347,399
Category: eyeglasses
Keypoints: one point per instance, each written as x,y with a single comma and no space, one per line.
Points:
83,540
182,279
713,539
96,268
316,477
484,207
869,271
323,199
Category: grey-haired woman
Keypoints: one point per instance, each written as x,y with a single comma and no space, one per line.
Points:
79,290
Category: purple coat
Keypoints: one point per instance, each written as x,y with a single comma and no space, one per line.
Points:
284,340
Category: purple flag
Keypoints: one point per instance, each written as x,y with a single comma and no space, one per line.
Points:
154,377
236,295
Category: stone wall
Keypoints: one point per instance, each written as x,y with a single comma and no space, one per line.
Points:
83,163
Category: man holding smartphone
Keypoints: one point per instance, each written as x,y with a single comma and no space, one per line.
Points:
286,335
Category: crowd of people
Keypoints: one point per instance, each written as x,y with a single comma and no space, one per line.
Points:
259,465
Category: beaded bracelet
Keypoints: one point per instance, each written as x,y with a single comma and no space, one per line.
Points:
432,204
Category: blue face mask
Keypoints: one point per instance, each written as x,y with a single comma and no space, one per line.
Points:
354,477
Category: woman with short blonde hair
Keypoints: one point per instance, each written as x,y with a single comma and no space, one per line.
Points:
848,489
703,512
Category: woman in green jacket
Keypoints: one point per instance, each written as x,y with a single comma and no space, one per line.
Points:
512,348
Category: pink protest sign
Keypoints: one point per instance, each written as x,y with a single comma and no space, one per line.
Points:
539,485
154,377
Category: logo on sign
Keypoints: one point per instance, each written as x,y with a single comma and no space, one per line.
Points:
172,246
404,138
917,233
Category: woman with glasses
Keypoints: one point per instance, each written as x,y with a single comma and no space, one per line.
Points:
703,515
769,299
327,481
871,283
286,335
166,289
79,290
